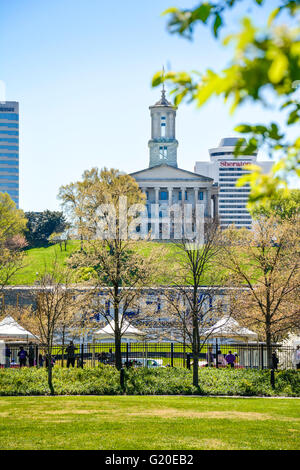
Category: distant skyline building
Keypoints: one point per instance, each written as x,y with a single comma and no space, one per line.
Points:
226,169
9,149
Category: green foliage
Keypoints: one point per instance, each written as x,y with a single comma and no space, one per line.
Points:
105,380
284,204
30,381
12,242
265,59
41,225
12,220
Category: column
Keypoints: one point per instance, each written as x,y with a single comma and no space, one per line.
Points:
208,203
183,189
170,195
216,206
156,195
172,127
195,196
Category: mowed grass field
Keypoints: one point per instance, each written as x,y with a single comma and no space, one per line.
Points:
36,259
168,265
154,423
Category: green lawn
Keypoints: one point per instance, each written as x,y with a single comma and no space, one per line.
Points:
37,258
154,423
167,253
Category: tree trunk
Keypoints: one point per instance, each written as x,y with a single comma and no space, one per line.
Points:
118,352
195,345
118,335
269,347
63,348
50,375
195,369
184,350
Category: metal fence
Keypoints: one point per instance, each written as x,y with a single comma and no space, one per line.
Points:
152,355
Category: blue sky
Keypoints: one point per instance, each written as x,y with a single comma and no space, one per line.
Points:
81,70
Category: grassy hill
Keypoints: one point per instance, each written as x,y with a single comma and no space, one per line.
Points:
166,253
37,258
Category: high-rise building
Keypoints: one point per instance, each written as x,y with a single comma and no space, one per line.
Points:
226,169
9,149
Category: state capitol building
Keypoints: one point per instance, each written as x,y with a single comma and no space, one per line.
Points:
211,185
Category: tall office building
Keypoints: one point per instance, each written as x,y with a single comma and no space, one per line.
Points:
9,149
226,169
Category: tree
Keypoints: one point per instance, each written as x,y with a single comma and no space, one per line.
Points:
265,261
107,248
55,307
284,204
12,224
62,238
190,310
73,197
41,225
265,68
12,220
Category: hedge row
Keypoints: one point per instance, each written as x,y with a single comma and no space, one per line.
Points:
105,380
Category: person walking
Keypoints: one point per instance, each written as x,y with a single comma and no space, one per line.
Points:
7,356
111,357
31,355
70,350
275,360
221,359
230,359
22,354
41,360
210,357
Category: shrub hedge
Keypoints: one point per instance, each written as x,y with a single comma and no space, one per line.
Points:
105,380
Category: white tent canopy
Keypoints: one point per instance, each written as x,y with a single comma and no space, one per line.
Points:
228,327
128,332
10,329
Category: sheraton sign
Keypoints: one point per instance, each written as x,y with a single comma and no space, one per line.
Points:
234,164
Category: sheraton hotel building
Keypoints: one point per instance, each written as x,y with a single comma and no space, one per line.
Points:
226,169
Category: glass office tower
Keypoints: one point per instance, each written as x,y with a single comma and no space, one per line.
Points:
9,149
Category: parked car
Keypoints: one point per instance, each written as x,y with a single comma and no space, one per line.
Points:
142,362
